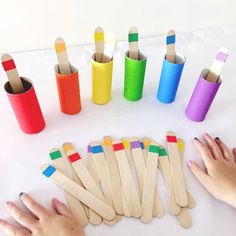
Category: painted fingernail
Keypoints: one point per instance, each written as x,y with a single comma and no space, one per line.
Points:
190,163
195,138
21,194
217,139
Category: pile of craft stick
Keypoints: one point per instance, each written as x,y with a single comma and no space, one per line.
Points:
119,179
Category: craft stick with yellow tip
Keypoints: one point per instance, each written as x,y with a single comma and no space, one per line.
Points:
12,74
99,44
62,57
170,46
133,43
78,192
74,204
126,143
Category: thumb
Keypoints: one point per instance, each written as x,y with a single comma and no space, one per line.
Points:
234,152
60,207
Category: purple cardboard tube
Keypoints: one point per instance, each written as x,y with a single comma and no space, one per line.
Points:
202,98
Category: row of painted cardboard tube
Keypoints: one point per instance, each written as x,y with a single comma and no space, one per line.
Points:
30,118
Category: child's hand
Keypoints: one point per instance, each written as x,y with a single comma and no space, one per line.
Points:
41,222
219,177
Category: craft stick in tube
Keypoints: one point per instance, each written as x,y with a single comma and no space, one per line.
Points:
62,57
128,185
110,46
77,191
99,44
12,74
170,46
181,196
74,204
217,65
133,43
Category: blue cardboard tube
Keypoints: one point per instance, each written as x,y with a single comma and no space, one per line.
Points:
169,80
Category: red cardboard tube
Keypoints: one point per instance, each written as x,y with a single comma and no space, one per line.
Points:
68,91
26,108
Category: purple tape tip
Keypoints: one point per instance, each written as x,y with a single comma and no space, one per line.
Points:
135,144
89,149
221,56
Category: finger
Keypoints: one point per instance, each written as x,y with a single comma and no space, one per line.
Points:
227,154
213,147
20,216
37,209
60,207
234,152
11,230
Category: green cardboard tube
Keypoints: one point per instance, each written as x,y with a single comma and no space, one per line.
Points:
134,77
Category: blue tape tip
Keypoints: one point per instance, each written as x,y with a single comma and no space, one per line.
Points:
49,171
97,149
170,39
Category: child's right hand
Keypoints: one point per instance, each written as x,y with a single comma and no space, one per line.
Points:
219,177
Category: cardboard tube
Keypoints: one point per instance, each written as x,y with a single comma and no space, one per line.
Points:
68,91
26,108
170,77
101,81
202,98
134,77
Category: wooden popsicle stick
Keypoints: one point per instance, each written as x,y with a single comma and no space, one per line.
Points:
77,191
99,44
165,168
217,65
126,143
181,196
128,185
74,204
170,46
110,46
12,74
62,57
114,174
146,142
133,43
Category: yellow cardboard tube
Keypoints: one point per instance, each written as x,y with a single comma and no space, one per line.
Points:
101,81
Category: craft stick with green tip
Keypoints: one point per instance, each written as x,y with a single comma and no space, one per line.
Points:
128,184
62,57
170,46
164,165
217,65
12,74
74,204
78,192
110,46
181,196
133,43
99,44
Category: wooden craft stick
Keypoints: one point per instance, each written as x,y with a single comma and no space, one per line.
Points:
146,142
62,57
170,46
99,44
126,143
133,43
181,196
217,65
12,74
74,204
77,191
128,185
110,46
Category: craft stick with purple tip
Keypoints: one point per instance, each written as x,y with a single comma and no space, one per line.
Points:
133,43
217,65
181,196
78,192
12,74
170,46
99,44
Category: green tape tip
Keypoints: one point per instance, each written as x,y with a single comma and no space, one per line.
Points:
55,155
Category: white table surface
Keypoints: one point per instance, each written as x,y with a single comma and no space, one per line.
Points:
22,155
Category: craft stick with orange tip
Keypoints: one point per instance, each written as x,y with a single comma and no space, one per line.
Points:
99,44
133,43
181,196
217,65
146,142
12,74
62,57
170,46
78,192
74,204
128,185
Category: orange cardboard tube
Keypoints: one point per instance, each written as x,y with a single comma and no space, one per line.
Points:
68,91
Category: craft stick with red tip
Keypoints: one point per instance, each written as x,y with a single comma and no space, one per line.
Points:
62,57
170,46
74,204
133,43
99,44
78,192
217,65
12,74
181,196
128,185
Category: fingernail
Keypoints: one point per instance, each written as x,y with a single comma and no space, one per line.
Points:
190,163
55,200
8,203
21,194
195,138
217,139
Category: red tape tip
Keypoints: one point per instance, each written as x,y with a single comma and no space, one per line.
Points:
74,157
8,65
171,139
118,146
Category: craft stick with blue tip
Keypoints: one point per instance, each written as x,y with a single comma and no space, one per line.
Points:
133,43
74,204
78,192
99,44
170,46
